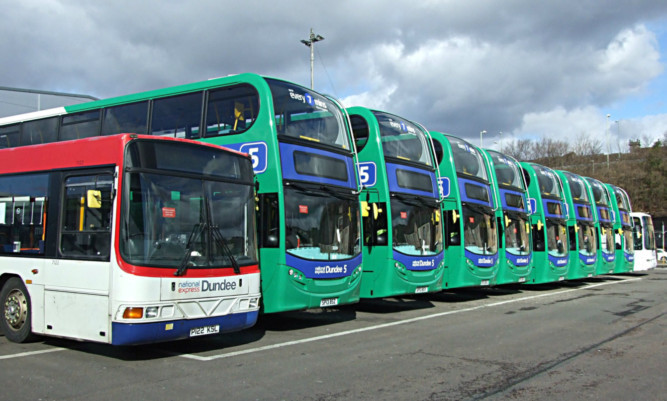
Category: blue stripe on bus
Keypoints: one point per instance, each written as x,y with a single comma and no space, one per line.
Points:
324,269
482,260
414,262
609,257
505,206
395,187
559,261
289,170
602,219
519,260
464,193
588,260
141,333
577,206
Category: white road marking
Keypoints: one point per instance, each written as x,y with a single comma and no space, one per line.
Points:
22,354
396,323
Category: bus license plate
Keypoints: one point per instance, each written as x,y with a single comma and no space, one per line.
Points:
328,302
421,290
485,282
522,279
202,331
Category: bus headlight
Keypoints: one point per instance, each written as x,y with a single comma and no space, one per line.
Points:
151,311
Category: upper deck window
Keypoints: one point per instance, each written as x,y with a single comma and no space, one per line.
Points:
577,187
231,110
467,160
507,171
403,140
547,181
305,115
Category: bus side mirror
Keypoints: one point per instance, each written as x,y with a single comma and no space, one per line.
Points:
381,239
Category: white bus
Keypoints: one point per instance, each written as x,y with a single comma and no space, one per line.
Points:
126,239
644,240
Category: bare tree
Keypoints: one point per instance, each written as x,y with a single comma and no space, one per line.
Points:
587,146
519,149
549,148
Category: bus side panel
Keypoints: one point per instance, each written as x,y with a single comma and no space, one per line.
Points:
76,315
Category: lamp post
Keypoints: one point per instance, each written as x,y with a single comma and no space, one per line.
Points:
608,129
310,42
481,142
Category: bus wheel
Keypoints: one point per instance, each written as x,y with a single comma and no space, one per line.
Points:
16,311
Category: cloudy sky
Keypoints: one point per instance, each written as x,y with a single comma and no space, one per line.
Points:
526,68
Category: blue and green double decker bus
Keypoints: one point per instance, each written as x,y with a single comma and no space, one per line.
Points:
402,244
549,224
300,144
582,226
513,214
469,213
606,220
623,230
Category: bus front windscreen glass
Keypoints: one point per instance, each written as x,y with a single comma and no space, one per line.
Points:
403,140
628,235
186,220
416,228
304,115
480,234
516,235
607,239
587,240
321,226
557,238
467,160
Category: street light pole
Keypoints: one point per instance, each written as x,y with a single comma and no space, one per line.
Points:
608,133
481,143
310,42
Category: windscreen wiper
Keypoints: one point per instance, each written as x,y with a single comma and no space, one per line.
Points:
217,235
196,232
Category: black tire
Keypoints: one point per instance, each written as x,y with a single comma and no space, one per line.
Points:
15,321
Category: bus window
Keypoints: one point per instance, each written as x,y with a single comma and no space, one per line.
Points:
231,110
9,136
360,131
80,125
39,131
86,223
127,118
177,116
23,201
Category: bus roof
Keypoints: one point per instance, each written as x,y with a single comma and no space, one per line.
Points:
93,151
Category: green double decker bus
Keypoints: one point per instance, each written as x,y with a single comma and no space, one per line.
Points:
582,226
469,213
309,224
606,220
513,214
623,229
402,225
549,224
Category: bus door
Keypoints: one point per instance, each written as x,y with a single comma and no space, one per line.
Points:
77,282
